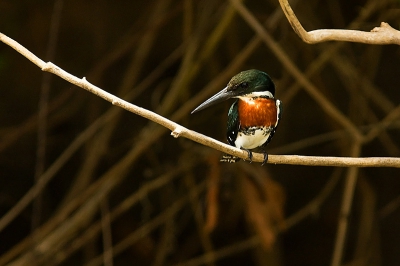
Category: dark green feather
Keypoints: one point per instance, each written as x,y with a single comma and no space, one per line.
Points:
233,123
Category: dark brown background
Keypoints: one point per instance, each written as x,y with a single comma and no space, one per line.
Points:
118,45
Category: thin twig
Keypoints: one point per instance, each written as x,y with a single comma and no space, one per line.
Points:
222,253
9,136
384,34
106,233
48,175
350,185
314,206
311,208
148,227
180,131
123,207
389,208
206,242
43,111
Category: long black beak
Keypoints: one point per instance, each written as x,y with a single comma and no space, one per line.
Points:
217,98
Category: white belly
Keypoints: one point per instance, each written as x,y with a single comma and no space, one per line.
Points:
253,138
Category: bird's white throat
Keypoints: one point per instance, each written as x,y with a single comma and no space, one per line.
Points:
256,94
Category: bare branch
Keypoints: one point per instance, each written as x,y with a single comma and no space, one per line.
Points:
180,131
384,34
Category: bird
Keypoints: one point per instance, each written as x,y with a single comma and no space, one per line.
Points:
255,114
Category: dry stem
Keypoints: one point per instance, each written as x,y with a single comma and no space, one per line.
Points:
384,34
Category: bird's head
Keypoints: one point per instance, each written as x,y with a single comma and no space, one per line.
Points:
247,84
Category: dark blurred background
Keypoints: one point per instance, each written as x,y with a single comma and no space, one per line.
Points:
85,183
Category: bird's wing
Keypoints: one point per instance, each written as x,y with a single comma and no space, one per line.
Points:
233,123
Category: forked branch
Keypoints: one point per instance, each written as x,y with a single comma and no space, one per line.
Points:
384,34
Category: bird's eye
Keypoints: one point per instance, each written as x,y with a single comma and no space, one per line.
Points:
244,85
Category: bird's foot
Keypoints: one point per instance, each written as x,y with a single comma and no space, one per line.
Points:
250,155
227,158
265,158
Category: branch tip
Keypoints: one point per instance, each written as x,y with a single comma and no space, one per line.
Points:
384,34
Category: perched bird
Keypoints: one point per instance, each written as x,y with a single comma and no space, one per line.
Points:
254,116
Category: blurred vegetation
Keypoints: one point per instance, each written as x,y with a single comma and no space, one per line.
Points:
122,191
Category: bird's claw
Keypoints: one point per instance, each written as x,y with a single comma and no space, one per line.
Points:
265,159
250,155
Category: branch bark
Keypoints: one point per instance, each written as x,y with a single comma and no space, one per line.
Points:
180,131
384,34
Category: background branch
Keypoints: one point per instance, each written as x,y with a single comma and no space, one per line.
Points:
384,34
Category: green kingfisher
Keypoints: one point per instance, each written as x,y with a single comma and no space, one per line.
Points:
254,116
